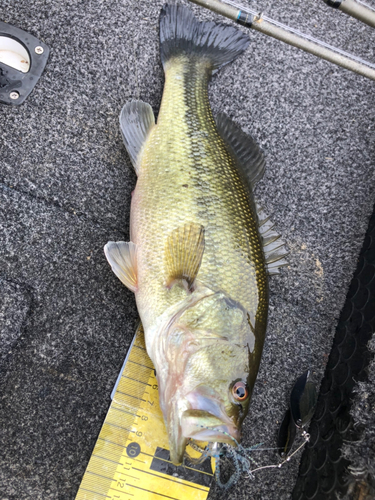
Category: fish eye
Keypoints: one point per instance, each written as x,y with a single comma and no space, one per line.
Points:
240,391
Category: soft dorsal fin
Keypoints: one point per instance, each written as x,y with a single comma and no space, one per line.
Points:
251,163
183,253
250,159
273,246
122,257
136,121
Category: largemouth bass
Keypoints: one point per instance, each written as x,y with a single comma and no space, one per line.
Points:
200,248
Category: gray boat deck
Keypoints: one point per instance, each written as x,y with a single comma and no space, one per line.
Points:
66,320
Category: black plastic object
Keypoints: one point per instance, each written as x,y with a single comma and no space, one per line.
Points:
245,19
333,3
13,81
287,434
303,400
323,470
301,409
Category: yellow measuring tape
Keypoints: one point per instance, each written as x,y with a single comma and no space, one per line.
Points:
130,460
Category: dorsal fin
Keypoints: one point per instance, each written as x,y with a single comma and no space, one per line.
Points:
136,121
183,253
273,246
250,159
122,257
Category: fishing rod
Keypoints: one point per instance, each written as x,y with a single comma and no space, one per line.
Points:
251,19
358,10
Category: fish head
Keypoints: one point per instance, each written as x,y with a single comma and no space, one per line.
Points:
205,386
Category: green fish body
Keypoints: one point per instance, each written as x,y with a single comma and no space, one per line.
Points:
196,259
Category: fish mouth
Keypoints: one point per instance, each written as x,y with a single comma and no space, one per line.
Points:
204,426
201,416
206,419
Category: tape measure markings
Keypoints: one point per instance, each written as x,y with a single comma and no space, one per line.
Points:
144,383
169,462
90,472
125,394
134,426
154,492
124,411
95,492
169,479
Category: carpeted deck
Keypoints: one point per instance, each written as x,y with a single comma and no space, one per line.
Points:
66,320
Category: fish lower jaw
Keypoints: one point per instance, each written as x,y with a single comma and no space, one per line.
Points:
209,429
216,435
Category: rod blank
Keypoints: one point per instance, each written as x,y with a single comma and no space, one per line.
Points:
282,34
354,9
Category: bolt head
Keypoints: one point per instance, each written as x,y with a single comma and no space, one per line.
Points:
39,50
14,95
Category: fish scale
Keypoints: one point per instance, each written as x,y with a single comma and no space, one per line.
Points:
215,198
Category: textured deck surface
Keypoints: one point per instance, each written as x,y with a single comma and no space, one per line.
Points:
65,185
324,469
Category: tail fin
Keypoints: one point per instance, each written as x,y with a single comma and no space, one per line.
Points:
181,34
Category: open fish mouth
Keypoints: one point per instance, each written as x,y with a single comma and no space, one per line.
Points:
200,416
206,419
204,426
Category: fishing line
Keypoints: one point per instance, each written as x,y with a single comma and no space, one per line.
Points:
205,453
366,5
240,457
295,31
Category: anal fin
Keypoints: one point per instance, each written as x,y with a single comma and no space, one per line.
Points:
122,257
136,121
183,254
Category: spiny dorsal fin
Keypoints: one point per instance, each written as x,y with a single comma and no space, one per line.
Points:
273,246
122,257
183,253
249,157
136,121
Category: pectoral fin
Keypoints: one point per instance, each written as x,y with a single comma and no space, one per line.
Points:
122,257
183,254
